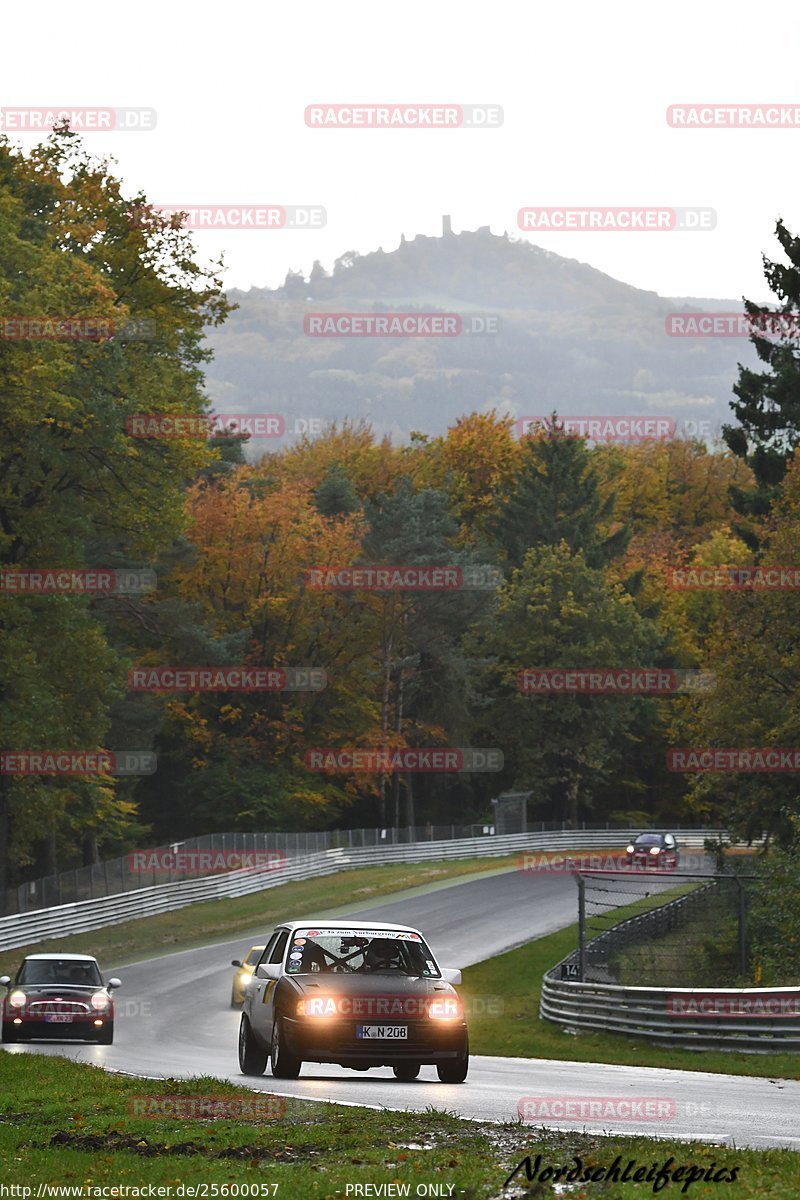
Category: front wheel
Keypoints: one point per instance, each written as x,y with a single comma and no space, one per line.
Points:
284,1065
454,1070
405,1072
252,1059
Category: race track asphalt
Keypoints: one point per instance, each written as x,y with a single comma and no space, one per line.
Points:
174,1020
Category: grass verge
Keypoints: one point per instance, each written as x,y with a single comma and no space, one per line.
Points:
69,1124
502,1000
217,920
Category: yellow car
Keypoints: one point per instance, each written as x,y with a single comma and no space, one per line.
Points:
244,974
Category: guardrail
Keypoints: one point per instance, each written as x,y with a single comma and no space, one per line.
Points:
124,874
23,929
697,1018
648,1012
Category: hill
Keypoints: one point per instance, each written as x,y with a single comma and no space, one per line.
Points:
569,337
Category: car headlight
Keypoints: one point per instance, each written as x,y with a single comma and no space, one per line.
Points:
655,849
317,1006
448,1008
17,999
100,1001
630,849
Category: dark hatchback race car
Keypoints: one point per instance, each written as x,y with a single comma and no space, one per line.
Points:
654,851
60,996
360,996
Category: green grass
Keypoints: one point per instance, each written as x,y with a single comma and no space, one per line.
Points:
507,989
218,920
69,1124
703,952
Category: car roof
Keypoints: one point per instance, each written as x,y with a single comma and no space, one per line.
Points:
59,958
354,924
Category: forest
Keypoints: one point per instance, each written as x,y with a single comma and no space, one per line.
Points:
566,554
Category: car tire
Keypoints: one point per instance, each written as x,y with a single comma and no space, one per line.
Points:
106,1036
252,1058
284,1065
9,1033
454,1070
405,1072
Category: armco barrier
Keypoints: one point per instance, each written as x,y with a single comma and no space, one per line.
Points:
647,1012
24,929
644,1012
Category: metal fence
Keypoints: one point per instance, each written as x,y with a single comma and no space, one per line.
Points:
702,1017
23,929
119,874
698,938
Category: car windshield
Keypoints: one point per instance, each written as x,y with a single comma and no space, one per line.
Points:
254,956
60,971
360,951
649,839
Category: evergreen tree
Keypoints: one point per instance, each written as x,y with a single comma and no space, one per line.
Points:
335,496
557,611
556,497
767,407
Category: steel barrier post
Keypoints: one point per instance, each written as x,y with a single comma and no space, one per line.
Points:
742,927
581,928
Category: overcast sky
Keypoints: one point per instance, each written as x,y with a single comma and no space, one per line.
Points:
584,90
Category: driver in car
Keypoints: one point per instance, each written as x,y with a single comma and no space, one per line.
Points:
383,955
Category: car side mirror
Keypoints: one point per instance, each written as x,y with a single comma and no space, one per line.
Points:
268,971
5,980
452,975
235,962
114,983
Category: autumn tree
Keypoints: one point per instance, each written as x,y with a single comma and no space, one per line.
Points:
754,655
71,477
